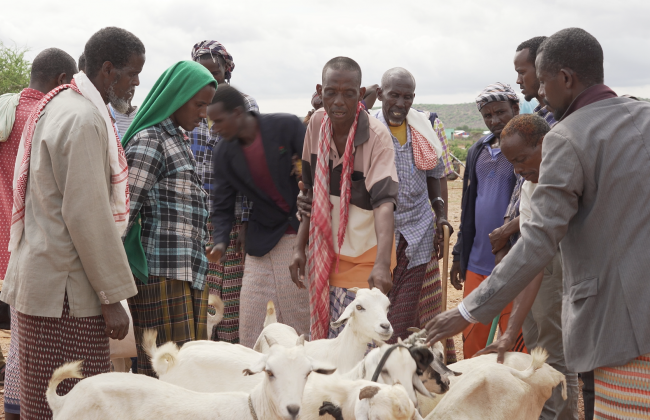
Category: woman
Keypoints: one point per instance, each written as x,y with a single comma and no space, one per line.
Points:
166,238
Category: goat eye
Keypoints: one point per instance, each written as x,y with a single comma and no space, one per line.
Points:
360,308
268,372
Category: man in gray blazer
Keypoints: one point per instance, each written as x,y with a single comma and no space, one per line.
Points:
583,196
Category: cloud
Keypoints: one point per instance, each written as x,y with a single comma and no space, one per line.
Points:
453,48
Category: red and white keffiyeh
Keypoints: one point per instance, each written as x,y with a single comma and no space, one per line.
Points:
119,199
321,246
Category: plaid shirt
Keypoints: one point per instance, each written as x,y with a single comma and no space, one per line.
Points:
167,192
203,142
414,217
513,208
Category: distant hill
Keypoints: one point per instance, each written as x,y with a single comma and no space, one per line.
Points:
456,115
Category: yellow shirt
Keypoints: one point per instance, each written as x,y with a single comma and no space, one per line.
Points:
399,133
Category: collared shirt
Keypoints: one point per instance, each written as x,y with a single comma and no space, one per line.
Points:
167,192
374,182
203,142
414,216
123,121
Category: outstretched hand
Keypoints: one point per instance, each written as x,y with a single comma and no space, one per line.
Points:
504,344
445,325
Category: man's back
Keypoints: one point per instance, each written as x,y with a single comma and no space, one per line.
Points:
67,213
594,175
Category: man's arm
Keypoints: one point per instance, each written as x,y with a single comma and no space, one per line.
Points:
380,275
80,170
224,197
554,204
434,191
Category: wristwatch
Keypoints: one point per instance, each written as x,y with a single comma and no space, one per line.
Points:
438,199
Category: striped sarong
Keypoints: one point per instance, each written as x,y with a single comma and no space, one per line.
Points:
431,303
12,372
225,280
173,308
623,392
46,344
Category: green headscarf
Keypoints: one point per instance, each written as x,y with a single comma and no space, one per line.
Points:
177,85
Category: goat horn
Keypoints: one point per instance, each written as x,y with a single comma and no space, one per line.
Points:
270,340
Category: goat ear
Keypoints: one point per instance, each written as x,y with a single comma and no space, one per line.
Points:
344,316
362,409
256,367
456,373
270,341
301,340
368,392
419,386
413,329
321,367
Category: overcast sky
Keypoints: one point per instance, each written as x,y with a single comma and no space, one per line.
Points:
454,48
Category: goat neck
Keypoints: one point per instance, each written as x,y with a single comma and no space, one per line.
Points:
263,402
352,344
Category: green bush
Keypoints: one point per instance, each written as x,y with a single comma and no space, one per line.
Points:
458,152
14,69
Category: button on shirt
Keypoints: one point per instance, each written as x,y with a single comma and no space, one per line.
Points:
414,216
167,192
493,172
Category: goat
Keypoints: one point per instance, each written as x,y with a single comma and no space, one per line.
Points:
125,396
366,318
490,391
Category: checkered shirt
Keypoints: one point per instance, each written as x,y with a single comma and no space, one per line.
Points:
414,217
167,192
546,114
203,142
439,128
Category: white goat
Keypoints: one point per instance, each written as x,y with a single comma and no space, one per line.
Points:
492,391
366,318
360,400
126,396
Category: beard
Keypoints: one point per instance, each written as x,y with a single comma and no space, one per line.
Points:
121,105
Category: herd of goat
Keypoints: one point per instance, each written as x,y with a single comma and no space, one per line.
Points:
285,377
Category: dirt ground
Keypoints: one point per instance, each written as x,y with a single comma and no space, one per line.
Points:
453,296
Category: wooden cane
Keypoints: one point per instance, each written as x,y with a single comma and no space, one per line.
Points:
445,267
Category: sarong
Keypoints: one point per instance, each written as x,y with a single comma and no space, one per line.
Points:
12,372
340,298
225,280
173,308
48,343
475,335
431,304
268,278
623,392
405,294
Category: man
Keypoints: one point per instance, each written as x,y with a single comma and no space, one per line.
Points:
538,308
541,321
167,233
487,187
256,160
51,68
605,296
349,169
224,280
65,284
419,190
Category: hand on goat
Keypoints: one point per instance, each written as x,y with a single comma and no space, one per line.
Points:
381,278
505,343
445,325
116,319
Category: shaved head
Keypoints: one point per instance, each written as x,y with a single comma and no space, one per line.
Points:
398,73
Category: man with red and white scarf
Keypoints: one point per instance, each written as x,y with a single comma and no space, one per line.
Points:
68,270
419,164
348,167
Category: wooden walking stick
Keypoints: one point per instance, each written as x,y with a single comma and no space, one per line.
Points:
445,267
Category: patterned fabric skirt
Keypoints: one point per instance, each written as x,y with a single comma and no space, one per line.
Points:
173,308
268,278
340,298
224,280
623,392
431,303
46,344
405,294
12,372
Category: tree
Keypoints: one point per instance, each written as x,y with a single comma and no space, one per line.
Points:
14,69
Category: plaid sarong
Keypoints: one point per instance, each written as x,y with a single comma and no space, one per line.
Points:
623,392
340,298
173,308
225,281
46,344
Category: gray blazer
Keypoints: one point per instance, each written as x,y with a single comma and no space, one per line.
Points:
593,198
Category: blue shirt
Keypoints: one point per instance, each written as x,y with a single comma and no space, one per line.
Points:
493,173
